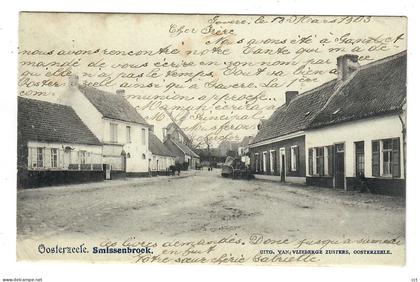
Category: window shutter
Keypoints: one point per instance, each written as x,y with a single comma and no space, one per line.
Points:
297,157
375,158
47,157
396,157
275,162
289,160
311,163
330,160
321,159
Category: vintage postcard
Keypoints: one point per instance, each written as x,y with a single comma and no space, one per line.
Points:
211,139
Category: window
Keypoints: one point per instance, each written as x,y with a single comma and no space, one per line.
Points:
264,161
143,156
294,158
82,157
54,157
40,157
143,136
320,161
272,161
113,131
386,157
128,134
360,157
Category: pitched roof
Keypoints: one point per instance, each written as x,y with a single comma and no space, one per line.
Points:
298,114
377,88
112,105
49,122
174,126
184,148
157,147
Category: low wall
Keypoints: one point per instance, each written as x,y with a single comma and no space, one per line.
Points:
32,179
276,178
384,186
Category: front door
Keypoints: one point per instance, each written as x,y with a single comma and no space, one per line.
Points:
339,165
282,164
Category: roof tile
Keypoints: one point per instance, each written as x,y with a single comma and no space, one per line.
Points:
112,105
376,89
49,122
298,114
157,147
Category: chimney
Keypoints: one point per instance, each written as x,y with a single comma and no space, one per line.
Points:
120,91
346,65
73,81
260,124
290,95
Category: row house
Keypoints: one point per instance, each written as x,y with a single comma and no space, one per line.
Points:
360,133
122,131
278,150
175,139
348,130
54,146
161,157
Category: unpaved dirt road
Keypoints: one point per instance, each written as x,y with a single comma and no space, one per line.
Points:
198,204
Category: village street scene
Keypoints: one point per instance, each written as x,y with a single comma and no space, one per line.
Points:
203,204
328,162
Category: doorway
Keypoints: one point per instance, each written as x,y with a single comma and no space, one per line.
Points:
339,165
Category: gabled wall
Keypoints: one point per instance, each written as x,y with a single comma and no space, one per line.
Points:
85,110
137,154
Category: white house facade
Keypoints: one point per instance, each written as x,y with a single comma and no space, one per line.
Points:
118,126
358,139
372,146
161,157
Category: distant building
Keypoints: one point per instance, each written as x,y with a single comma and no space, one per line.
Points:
122,131
210,157
175,139
55,146
162,158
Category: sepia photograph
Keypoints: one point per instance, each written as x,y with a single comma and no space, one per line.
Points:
211,139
